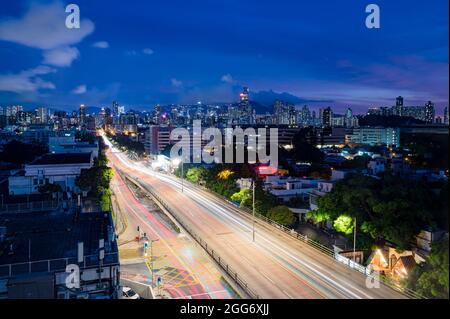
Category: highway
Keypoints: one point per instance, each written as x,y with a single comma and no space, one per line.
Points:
186,271
275,265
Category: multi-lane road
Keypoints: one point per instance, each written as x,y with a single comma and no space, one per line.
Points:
184,269
275,265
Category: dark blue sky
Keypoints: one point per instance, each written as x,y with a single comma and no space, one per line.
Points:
153,51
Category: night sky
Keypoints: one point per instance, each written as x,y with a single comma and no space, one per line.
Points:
183,51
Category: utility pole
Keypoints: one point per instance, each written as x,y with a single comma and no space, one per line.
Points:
182,175
253,186
151,260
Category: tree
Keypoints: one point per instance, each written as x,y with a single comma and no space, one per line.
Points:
95,179
195,174
386,208
430,279
344,224
281,215
242,196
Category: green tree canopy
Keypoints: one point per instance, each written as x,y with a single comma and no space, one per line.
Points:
344,224
242,196
282,215
430,279
195,174
386,208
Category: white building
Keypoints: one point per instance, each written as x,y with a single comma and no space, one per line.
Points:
375,136
67,144
59,169
376,166
286,188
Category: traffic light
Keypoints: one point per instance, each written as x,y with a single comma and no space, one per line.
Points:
145,247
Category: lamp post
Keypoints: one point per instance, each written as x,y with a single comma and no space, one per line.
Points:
253,209
182,176
177,162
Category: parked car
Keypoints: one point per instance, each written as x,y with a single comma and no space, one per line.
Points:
128,293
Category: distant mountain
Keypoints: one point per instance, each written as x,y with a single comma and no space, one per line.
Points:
388,121
268,98
261,109
93,110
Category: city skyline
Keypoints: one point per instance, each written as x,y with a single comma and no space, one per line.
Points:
141,56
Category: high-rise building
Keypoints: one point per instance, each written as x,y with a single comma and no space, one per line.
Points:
244,96
157,114
446,115
41,115
325,116
115,108
82,114
399,108
429,112
374,136
304,117
245,108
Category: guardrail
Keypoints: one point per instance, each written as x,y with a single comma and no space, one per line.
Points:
213,254
49,265
30,206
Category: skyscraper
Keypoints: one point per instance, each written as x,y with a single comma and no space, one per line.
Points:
305,116
245,108
41,115
429,112
82,114
115,108
446,115
325,116
398,109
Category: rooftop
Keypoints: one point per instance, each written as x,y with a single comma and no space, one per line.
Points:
53,235
63,158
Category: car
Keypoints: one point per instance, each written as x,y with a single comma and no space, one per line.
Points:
128,293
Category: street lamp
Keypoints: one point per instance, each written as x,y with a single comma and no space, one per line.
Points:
253,206
176,162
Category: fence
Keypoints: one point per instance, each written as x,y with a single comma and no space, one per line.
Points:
213,254
30,206
55,265
318,246
305,239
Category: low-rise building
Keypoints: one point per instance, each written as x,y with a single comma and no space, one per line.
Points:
376,166
374,136
67,144
286,188
38,251
59,169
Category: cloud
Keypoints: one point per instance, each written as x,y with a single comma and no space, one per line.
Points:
227,78
81,89
43,27
176,83
101,45
27,80
131,52
148,51
61,57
